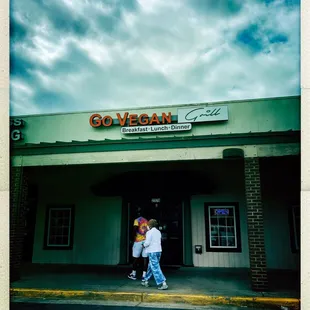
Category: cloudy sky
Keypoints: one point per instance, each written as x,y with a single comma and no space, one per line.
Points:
92,55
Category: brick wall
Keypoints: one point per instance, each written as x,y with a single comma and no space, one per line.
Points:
255,219
18,198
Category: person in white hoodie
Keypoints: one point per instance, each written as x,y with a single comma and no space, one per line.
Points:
153,248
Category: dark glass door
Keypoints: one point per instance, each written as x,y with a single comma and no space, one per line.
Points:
168,212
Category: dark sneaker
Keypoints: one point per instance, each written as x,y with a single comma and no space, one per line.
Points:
143,279
145,283
163,287
132,277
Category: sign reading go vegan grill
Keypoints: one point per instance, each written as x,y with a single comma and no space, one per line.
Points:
144,123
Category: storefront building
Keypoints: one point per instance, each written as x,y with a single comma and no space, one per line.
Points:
222,179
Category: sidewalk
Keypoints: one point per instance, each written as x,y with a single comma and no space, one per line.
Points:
189,285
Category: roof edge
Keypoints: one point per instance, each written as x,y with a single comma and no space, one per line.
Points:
74,143
160,106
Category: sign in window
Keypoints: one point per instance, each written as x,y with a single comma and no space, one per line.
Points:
222,228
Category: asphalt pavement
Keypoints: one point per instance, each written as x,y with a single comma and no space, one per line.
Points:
117,306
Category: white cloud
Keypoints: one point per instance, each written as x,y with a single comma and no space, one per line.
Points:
154,6
162,52
21,87
129,19
96,51
43,47
21,98
84,7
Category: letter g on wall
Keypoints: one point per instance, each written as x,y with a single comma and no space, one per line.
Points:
95,120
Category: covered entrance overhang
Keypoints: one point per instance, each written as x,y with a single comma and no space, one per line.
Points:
198,153
267,144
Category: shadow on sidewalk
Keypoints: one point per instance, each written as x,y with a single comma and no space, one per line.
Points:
184,280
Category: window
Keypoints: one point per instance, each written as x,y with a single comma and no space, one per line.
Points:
222,228
59,227
295,228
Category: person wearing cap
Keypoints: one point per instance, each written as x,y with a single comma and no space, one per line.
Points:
139,234
153,247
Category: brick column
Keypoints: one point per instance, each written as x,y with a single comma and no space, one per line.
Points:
255,218
18,196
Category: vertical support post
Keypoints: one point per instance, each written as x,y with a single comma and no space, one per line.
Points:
255,219
18,193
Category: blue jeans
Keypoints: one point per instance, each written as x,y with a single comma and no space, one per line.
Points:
154,268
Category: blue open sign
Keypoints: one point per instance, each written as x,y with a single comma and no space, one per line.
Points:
221,211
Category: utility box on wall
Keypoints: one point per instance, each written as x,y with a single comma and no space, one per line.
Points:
198,249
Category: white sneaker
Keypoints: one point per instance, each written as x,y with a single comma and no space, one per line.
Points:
132,276
163,287
145,283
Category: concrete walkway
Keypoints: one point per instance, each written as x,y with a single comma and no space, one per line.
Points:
186,285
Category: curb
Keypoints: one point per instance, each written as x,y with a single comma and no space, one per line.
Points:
201,300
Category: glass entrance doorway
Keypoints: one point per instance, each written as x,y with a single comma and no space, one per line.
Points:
168,212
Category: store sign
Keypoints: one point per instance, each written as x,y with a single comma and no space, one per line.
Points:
96,120
154,123
203,114
221,211
143,123
156,128
15,126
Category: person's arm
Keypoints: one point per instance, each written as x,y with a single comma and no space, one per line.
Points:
135,230
148,239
